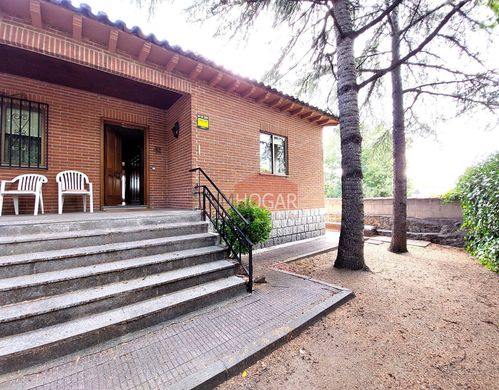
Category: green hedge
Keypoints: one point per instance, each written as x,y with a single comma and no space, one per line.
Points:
478,192
260,223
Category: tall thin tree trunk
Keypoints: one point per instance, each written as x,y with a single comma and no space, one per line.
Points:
351,246
399,217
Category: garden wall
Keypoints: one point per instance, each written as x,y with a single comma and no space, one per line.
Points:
421,208
427,218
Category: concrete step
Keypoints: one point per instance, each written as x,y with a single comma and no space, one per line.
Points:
38,285
56,260
30,315
40,242
22,350
44,224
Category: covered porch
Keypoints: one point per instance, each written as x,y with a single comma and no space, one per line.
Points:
114,129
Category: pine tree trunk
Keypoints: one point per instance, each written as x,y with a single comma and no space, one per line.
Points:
351,245
399,217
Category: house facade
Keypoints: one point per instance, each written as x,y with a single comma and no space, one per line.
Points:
78,91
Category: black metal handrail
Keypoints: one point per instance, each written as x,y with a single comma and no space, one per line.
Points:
219,192
225,223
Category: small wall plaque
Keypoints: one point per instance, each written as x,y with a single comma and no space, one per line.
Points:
203,122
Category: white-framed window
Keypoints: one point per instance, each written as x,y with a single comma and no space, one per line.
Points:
23,139
273,154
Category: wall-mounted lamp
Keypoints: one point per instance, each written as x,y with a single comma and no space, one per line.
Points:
176,130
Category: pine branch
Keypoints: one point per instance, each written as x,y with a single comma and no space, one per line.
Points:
421,18
376,20
371,90
419,48
461,46
446,82
491,105
438,67
414,11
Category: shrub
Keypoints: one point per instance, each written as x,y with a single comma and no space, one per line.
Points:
260,223
478,192
450,196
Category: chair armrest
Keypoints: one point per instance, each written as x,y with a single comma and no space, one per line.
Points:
4,182
90,187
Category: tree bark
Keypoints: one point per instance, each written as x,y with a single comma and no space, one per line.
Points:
399,217
351,245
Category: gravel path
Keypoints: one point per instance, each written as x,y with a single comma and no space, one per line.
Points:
428,319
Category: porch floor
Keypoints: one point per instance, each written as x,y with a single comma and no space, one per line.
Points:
204,347
28,219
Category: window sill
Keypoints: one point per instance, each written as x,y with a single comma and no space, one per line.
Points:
273,174
4,166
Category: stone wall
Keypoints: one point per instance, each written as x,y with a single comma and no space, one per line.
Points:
421,208
428,219
293,225
444,231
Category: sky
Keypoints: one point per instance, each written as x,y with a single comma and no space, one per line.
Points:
434,162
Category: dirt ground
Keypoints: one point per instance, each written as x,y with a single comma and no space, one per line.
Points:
427,319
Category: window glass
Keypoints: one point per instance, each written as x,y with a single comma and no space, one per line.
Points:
279,155
273,154
265,153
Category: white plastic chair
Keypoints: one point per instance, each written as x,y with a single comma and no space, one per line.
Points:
28,185
74,183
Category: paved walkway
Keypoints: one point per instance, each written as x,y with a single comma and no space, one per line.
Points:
200,348
295,250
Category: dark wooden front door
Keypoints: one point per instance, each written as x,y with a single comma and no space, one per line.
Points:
134,173
112,168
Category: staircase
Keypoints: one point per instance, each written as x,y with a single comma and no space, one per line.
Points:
67,284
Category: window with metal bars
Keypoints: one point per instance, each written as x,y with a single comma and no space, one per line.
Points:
24,133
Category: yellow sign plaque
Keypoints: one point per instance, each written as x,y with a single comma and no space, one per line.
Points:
203,122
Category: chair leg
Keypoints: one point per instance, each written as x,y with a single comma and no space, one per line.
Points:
37,203
41,203
1,204
84,203
61,203
15,199
91,202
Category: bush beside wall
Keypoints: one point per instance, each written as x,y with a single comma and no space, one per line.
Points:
478,192
260,223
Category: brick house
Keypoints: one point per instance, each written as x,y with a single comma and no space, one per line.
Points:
78,91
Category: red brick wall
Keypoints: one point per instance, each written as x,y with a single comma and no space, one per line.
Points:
179,155
75,133
229,150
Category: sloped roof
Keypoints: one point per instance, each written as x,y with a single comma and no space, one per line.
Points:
102,17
